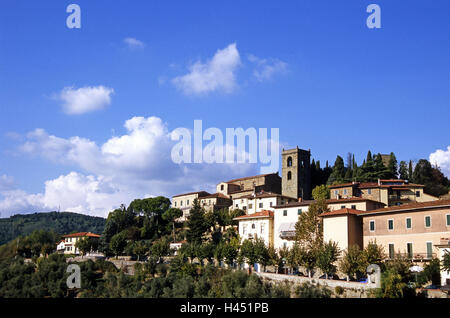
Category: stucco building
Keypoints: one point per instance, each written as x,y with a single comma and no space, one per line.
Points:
185,202
71,239
241,187
257,225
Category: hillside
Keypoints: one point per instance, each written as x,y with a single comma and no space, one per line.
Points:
59,222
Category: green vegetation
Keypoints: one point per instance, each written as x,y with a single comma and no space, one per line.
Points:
58,222
373,169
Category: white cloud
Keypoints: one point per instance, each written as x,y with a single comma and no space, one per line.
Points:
84,99
217,74
6,182
266,68
442,159
117,171
133,43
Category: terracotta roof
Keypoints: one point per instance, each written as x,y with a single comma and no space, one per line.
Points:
341,185
411,206
82,234
246,178
200,194
345,211
257,215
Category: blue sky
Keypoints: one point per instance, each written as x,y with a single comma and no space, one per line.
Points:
310,68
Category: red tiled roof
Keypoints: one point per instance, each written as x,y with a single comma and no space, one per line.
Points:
257,215
200,194
82,234
341,185
246,178
411,206
345,211
266,195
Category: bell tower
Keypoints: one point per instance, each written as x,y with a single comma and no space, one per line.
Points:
296,173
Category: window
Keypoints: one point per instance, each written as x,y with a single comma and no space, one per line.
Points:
354,207
408,223
390,225
262,228
372,226
250,206
336,192
429,250
299,211
428,221
391,250
175,202
253,226
187,202
409,249
271,204
342,206
244,229
237,205
369,191
345,191
181,203
222,187
289,175
260,205
285,213
289,161
244,208
417,193
448,219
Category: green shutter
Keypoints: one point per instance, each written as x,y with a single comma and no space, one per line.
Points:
429,250
428,221
448,219
408,223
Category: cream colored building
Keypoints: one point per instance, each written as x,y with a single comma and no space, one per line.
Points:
412,230
214,202
361,204
71,239
185,202
257,225
343,226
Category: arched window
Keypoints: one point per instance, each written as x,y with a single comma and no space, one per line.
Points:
289,161
289,176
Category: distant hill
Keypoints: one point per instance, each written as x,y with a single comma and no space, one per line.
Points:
59,222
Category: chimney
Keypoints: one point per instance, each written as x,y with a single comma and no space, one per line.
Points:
300,199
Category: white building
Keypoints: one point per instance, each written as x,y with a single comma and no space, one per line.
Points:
444,248
257,225
261,201
285,218
70,241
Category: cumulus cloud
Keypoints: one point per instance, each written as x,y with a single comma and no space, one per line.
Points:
265,69
125,167
133,43
442,159
216,74
85,99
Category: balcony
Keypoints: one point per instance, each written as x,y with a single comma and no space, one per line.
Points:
286,235
416,256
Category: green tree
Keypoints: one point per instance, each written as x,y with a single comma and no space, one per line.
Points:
84,245
160,248
197,225
170,216
118,243
373,254
446,261
326,257
403,171
338,174
309,227
352,262
321,192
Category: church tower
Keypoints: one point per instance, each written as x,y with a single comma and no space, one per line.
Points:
296,173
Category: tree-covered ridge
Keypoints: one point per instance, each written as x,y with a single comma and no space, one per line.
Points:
58,222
